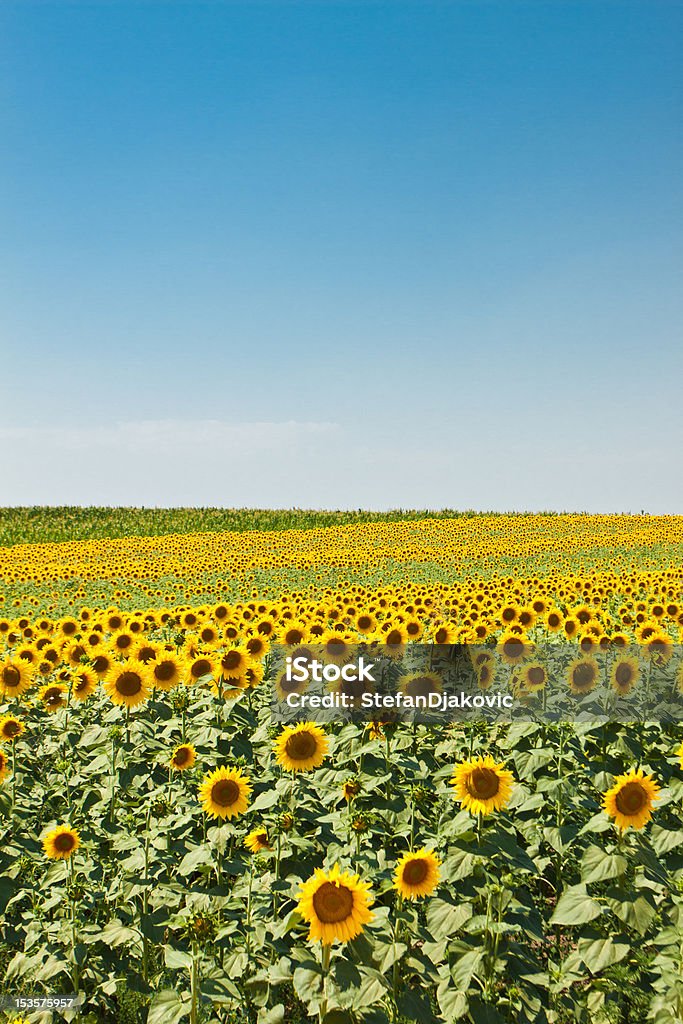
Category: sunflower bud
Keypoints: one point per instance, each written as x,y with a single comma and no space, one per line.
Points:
285,822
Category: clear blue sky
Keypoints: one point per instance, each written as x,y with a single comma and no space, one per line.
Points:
342,254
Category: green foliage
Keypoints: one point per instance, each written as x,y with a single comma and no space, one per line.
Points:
43,524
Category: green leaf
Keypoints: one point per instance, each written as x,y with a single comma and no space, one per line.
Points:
177,959
115,933
272,1015
307,982
465,968
597,954
167,1008
597,866
637,913
452,1003
665,839
484,1013
194,859
415,1007
444,919
265,800
575,906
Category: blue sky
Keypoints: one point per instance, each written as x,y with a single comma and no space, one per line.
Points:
342,254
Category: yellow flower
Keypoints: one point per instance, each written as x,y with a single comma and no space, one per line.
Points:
582,675
482,785
15,677
225,793
513,648
54,696
417,874
10,728
3,766
61,842
301,747
128,683
624,674
335,905
84,683
183,757
257,840
631,798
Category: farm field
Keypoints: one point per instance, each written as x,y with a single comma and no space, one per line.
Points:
172,853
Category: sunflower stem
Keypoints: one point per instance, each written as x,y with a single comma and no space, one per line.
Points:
395,970
14,775
70,878
325,968
194,985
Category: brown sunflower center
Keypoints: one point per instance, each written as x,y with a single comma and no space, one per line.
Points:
182,755
394,638
11,729
129,684
200,667
583,677
64,842
225,792
482,784
631,799
300,746
415,871
164,671
536,676
623,674
421,687
333,903
53,696
11,676
513,647
231,660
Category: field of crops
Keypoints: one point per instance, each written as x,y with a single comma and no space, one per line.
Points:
172,853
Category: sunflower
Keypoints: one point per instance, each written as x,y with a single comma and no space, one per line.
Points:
481,785
582,675
225,793
10,728
183,757
350,789
166,671
513,648
335,905
301,747
624,674
446,633
3,766
61,842
235,661
417,874
257,840
54,696
84,683
128,683
659,648
631,798
15,677
420,684
534,676
337,647
201,665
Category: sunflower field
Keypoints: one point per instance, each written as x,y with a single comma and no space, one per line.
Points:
170,852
